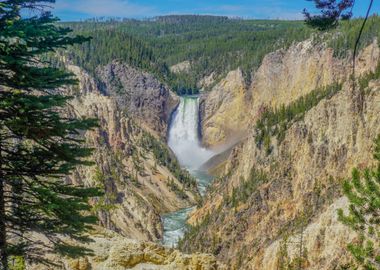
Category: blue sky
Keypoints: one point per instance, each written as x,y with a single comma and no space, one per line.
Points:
69,10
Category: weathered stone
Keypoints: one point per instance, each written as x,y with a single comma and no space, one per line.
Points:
134,207
114,252
140,94
181,67
304,170
231,108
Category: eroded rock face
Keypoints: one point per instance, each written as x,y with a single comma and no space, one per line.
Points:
140,94
114,252
325,239
223,118
138,187
283,77
184,66
303,173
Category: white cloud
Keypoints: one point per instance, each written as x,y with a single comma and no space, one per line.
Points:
98,8
269,9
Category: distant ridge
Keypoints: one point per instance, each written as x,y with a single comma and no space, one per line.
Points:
174,19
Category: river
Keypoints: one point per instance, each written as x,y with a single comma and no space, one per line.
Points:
185,143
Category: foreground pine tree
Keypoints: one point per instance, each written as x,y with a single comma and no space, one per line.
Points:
39,144
363,192
331,11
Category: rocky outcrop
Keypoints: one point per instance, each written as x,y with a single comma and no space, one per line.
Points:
184,66
223,118
283,77
139,185
207,81
114,252
140,94
295,189
303,176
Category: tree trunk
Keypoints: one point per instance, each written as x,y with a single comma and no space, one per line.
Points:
3,238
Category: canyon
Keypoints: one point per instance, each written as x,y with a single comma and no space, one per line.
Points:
295,186
151,143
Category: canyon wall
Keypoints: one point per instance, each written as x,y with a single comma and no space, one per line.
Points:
140,176
232,106
222,111
139,94
267,204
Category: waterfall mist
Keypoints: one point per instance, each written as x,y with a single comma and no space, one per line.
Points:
184,135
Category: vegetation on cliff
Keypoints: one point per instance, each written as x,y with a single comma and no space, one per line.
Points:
366,78
165,158
275,122
109,44
363,192
246,188
343,39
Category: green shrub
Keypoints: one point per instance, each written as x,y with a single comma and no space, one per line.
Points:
275,122
247,187
165,158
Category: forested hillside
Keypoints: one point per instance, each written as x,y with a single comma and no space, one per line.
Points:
212,45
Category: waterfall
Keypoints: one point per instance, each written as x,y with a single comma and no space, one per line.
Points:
184,135
185,143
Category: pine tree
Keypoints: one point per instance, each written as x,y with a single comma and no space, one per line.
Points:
40,143
363,192
331,12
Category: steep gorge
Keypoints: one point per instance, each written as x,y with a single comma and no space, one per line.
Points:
265,200
140,176
285,75
132,164
254,214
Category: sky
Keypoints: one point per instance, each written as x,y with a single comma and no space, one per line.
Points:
75,10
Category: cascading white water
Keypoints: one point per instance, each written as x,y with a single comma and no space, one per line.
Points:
184,135
184,141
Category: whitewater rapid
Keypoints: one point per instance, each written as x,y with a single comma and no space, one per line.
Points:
184,141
